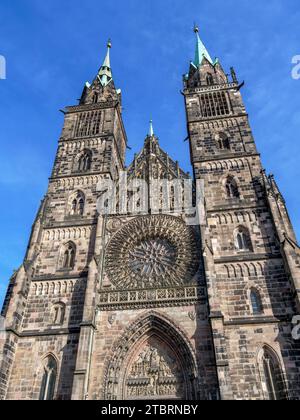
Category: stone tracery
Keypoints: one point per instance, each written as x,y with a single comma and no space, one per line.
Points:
152,251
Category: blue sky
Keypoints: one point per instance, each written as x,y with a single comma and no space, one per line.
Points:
53,47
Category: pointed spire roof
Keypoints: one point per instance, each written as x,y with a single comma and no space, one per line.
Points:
151,130
201,51
105,73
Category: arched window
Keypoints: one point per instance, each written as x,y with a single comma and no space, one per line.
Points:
232,190
49,379
85,161
209,79
243,240
95,98
271,375
223,142
77,204
172,198
69,256
58,313
256,302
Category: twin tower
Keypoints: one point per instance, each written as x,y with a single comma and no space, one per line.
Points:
144,305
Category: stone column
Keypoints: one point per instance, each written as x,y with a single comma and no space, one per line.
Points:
85,346
221,353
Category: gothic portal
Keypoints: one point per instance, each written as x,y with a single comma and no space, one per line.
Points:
152,302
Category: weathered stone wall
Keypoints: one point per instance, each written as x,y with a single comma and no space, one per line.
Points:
37,331
239,334
151,308
25,381
189,321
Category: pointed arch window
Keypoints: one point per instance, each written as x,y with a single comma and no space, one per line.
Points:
95,98
232,190
256,302
271,375
85,161
243,239
77,204
49,379
69,256
209,79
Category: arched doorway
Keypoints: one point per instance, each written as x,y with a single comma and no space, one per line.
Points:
152,361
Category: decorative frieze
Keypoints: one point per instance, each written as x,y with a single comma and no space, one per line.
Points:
179,296
55,288
67,234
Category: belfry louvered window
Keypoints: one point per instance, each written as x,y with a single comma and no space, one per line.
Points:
214,104
88,124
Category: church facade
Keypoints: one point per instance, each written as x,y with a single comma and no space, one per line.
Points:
156,304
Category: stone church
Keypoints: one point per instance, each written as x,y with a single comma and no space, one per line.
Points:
144,305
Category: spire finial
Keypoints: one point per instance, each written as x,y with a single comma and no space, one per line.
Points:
151,130
201,51
105,74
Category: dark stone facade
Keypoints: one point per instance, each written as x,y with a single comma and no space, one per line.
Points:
206,320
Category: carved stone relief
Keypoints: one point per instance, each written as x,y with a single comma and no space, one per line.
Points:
155,374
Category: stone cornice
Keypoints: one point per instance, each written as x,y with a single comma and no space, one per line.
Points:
79,175
49,332
247,257
214,118
59,277
71,223
225,86
227,157
240,206
259,320
91,107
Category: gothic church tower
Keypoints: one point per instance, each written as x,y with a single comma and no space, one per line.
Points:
249,246
145,304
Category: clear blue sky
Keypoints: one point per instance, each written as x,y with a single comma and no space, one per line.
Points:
53,47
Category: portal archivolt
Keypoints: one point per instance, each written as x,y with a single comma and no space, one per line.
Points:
152,361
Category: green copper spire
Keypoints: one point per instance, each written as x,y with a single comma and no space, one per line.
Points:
201,51
105,74
151,130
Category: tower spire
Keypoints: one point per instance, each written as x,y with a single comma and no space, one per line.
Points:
105,73
151,130
201,51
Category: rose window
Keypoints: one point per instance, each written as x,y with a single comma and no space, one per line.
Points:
152,251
